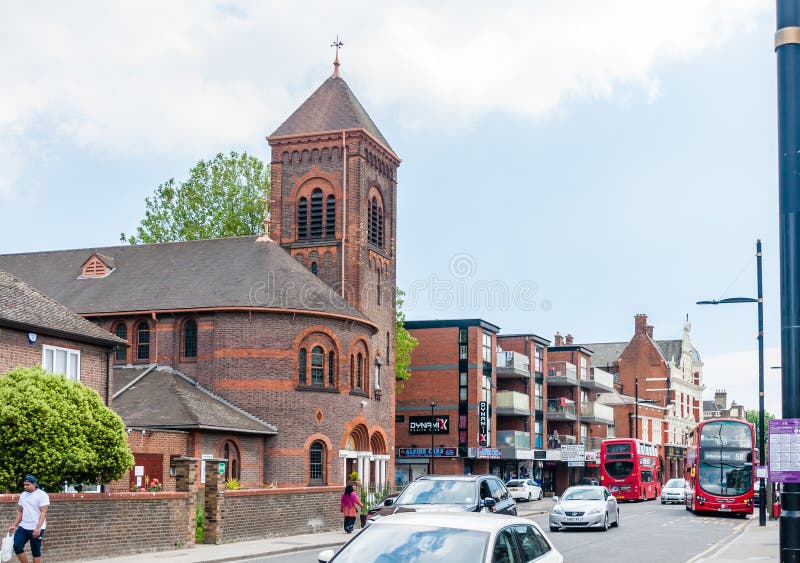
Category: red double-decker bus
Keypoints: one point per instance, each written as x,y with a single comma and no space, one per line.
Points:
719,467
630,468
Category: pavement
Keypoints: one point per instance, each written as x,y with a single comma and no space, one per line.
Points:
750,543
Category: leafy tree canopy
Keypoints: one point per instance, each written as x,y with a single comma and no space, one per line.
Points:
752,417
404,342
57,430
223,197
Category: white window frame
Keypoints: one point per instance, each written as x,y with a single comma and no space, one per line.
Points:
72,373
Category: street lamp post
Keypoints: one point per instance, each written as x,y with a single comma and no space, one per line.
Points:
762,507
433,405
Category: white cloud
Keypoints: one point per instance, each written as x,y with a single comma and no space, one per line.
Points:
737,373
192,77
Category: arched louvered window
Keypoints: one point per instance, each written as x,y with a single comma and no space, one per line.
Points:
375,226
331,368
315,227
301,366
314,268
317,367
330,216
316,463
143,341
231,453
302,218
359,371
352,370
122,351
190,339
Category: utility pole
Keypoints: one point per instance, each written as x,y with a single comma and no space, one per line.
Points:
787,50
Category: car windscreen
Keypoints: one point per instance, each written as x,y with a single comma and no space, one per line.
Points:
438,492
583,494
414,544
675,484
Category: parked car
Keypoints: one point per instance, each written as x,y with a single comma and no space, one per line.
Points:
422,537
451,493
584,507
524,489
674,491
384,502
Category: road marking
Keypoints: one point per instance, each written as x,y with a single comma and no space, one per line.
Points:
737,531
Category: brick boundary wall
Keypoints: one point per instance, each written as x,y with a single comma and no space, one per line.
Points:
83,526
255,514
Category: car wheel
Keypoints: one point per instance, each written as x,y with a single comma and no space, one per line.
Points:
605,523
530,497
540,495
663,502
554,528
616,524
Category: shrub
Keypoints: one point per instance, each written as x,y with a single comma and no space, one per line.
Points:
233,484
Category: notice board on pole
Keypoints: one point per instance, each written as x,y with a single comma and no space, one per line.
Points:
784,450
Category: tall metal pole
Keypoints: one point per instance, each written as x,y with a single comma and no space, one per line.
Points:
762,501
636,391
432,421
787,49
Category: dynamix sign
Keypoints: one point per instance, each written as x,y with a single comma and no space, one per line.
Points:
483,423
422,424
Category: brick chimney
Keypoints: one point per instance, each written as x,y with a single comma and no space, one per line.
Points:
721,399
649,330
568,339
558,340
640,323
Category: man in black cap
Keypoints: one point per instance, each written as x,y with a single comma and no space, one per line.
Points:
31,520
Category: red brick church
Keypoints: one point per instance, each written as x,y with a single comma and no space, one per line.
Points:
273,352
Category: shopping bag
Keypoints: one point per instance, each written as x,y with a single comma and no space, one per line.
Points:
7,549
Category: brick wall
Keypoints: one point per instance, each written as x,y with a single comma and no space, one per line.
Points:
86,526
249,515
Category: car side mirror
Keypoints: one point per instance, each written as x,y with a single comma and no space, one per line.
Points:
388,502
489,502
325,556
555,499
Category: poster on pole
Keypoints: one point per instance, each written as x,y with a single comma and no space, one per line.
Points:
784,450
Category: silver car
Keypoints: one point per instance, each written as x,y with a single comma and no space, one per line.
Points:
674,491
585,506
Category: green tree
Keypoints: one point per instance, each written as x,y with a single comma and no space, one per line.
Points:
404,343
223,197
752,417
57,430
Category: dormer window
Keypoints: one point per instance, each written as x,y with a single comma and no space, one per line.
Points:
97,266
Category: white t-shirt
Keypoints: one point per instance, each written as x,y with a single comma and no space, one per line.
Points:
32,504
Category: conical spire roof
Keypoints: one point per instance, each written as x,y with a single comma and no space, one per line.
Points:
332,107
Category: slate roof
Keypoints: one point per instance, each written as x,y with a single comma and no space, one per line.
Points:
141,393
214,273
332,107
26,308
606,353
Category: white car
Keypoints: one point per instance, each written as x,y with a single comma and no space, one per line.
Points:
432,537
524,489
586,506
674,491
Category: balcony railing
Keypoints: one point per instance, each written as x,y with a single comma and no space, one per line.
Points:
561,373
514,438
555,441
599,379
512,403
560,409
512,364
597,413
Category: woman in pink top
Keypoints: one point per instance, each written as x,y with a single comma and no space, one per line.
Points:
350,505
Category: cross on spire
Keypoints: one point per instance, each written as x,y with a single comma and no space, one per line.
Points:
336,44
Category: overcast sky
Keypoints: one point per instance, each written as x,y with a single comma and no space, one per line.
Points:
580,162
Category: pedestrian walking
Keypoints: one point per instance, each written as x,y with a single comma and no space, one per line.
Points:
31,520
350,506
